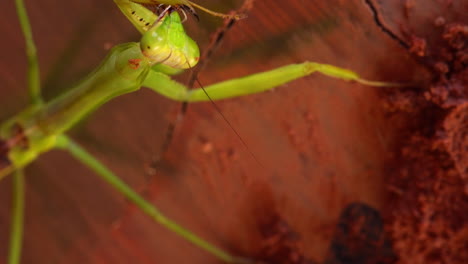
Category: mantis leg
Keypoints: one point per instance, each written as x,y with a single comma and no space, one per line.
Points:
34,83
108,176
17,218
34,88
250,84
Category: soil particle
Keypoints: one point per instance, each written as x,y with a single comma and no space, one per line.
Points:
426,215
418,46
456,141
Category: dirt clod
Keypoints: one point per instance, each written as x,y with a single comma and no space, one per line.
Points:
427,219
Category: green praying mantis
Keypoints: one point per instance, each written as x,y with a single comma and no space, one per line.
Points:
163,50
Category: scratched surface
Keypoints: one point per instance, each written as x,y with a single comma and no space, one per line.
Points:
322,142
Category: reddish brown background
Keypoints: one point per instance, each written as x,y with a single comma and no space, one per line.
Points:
324,143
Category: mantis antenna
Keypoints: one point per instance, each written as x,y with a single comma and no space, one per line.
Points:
213,13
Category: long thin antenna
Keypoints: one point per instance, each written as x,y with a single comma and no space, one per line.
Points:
216,40
229,124
235,16
214,43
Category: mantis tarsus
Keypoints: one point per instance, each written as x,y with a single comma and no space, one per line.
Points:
41,127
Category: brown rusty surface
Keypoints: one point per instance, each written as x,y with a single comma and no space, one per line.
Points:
335,155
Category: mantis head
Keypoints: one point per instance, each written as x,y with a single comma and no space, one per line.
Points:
164,39
167,43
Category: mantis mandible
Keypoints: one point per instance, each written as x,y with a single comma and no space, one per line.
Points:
164,49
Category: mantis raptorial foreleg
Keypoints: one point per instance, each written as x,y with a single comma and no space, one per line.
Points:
18,183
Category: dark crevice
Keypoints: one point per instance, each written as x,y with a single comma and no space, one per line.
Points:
381,25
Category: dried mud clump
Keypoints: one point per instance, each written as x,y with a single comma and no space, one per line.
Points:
427,213
359,238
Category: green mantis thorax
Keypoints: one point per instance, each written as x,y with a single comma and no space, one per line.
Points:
123,71
164,47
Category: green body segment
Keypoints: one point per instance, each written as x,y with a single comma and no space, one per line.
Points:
123,71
